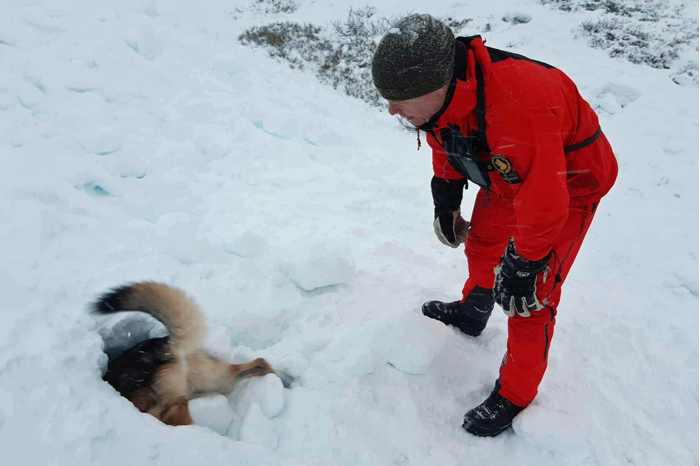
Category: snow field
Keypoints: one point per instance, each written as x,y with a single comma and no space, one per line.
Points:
142,141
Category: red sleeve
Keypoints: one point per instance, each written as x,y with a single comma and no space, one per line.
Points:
541,202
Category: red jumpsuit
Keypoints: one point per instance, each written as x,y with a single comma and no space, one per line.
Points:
544,189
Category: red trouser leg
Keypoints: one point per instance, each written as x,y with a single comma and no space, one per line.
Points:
493,224
529,338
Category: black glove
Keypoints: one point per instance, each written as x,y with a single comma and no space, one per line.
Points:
515,287
450,228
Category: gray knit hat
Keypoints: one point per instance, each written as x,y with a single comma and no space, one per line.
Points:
414,58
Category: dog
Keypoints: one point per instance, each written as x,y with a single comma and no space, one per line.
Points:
160,375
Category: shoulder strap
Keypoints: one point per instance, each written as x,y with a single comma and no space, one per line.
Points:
480,94
481,109
461,48
460,60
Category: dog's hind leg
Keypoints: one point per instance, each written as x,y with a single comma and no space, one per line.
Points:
256,368
172,392
208,374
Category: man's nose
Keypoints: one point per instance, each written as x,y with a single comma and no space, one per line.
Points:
394,109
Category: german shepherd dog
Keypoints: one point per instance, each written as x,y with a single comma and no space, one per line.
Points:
160,375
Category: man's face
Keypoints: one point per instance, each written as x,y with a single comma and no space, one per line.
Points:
419,110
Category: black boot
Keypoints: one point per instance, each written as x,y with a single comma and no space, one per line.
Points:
491,417
470,316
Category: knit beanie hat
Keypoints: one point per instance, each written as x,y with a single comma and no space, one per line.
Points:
414,58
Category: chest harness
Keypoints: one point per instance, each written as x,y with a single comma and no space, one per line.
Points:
463,151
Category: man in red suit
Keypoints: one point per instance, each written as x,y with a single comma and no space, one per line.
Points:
519,130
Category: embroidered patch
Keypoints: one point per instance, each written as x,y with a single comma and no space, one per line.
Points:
501,164
505,169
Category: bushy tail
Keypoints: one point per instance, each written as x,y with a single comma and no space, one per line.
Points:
177,311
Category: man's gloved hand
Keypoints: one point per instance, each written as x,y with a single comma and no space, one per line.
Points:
515,284
451,229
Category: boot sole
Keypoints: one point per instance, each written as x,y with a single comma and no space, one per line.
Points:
471,333
483,432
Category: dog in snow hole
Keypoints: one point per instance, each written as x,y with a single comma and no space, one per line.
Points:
160,375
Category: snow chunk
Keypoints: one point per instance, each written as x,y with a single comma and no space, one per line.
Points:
271,394
315,263
266,392
394,31
292,365
213,412
258,429
624,95
411,343
554,430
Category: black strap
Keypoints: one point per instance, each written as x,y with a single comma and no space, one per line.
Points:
584,143
460,60
460,73
480,93
481,109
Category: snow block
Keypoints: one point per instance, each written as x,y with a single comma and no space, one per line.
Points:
315,263
213,412
292,365
411,342
267,392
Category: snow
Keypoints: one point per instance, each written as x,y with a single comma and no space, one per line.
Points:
315,263
141,140
517,18
214,412
265,392
551,429
411,343
257,429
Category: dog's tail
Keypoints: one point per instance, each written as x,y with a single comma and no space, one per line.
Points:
177,311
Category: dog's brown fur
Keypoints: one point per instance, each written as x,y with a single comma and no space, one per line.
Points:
159,376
